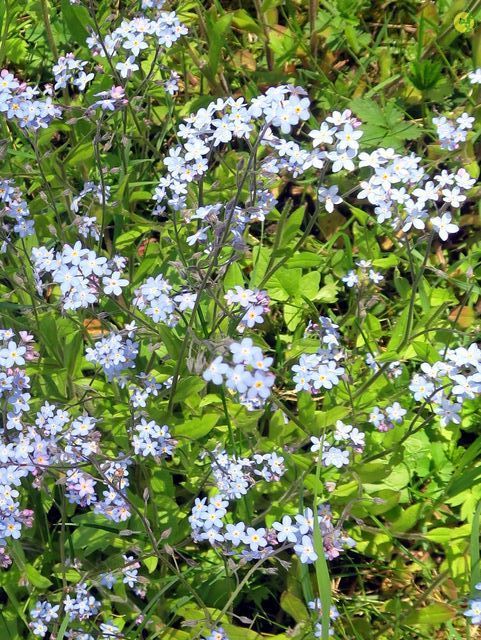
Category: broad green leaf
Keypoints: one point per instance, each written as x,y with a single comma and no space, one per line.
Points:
77,20
196,427
444,534
384,126
432,615
294,607
36,578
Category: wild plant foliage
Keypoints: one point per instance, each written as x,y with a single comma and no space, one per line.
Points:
239,364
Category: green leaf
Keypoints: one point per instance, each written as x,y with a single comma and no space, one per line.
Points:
72,350
290,280
304,260
327,293
233,277
126,240
425,74
217,27
151,563
474,552
359,214
431,615
243,21
293,313
309,287
63,627
294,606
384,126
187,387
171,341
322,576
92,533
386,499
16,604
331,416
398,478
260,260
77,20
407,520
197,427
397,334
292,226
444,535
81,153
385,263
36,578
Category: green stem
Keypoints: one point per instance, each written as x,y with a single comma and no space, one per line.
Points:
6,26
48,28
210,269
322,570
407,333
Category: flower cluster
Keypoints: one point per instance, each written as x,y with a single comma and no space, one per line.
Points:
115,353
14,213
474,610
16,449
19,103
329,197
66,444
152,440
363,276
154,299
80,273
321,370
146,387
114,505
342,131
87,225
63,440
129,573
109,100
208,524
344,434
452,133
217,124
402,192
394,369
171,85
218,220
334,539
448,383
475,76
211,521
82,606
153,4
335,146
42,614
55,438
99,193
69,69
132,37
248,375
254,304
234,476
385,419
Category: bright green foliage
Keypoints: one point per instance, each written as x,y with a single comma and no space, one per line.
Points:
412,499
